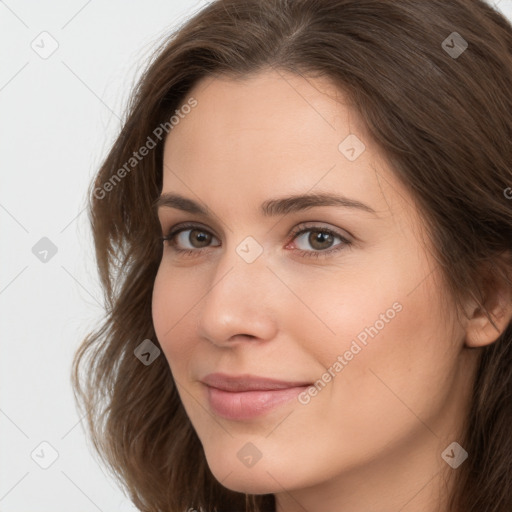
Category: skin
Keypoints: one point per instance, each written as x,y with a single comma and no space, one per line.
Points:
372,438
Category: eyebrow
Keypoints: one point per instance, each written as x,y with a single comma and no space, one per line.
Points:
271,207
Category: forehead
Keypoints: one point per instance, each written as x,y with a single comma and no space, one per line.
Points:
269,134
275,108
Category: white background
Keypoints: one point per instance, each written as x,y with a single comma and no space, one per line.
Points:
58,118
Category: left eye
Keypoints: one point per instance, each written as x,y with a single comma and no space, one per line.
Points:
319,238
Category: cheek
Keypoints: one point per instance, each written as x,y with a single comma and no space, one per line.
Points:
344,307
391,330
387,301
398,354
174,298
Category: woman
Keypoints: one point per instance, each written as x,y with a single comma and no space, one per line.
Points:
303,231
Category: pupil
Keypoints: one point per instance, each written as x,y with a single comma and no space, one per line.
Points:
200,236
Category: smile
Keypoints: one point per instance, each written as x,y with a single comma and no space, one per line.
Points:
247,397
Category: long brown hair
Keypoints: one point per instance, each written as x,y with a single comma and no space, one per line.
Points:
444,122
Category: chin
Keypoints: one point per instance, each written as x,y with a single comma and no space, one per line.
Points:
233,474
248,481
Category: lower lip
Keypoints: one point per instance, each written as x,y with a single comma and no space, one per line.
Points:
249,404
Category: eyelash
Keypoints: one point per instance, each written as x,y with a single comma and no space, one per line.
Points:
299,230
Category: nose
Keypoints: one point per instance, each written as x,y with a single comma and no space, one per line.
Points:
240,302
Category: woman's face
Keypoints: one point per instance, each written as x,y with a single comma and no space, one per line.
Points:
341,302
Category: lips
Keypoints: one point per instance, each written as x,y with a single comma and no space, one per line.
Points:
248,383
245,397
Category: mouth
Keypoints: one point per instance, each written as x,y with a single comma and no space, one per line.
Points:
246,396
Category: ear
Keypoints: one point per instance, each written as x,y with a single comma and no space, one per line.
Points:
497,292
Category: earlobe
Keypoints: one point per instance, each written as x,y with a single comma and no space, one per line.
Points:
482,330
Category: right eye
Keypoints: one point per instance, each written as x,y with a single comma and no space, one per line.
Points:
188,234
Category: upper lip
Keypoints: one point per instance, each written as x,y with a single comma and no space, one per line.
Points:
247,382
